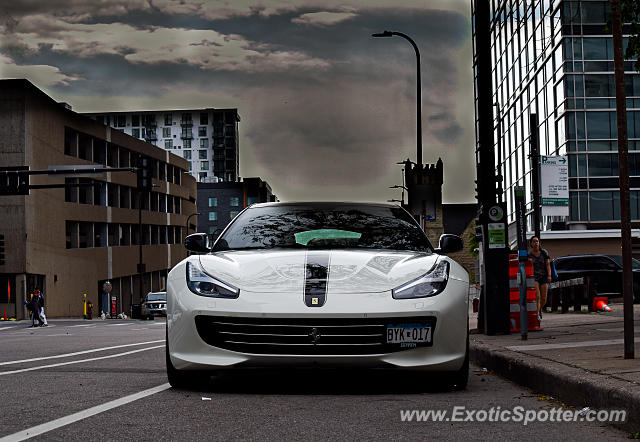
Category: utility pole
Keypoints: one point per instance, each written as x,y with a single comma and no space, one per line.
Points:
625,215
534,141
144,185
494,317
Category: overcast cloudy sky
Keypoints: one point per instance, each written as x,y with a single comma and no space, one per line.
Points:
326,109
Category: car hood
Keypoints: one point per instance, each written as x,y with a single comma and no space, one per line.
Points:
349,271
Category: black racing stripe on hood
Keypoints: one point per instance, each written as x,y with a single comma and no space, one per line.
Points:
315,280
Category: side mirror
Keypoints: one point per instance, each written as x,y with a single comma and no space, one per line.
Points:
450,244
197,243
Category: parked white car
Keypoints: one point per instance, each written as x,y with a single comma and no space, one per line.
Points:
322,284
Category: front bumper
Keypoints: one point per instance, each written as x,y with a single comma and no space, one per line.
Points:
154,311
188,350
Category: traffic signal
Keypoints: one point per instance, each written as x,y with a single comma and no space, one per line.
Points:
145,183
14,180
1,250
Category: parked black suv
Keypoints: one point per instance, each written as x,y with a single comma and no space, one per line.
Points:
605,270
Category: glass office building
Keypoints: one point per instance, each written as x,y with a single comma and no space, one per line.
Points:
555,59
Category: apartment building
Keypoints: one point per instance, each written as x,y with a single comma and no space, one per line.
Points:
69,241
206,138
219,203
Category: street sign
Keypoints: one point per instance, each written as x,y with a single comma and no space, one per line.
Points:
554,173
497,235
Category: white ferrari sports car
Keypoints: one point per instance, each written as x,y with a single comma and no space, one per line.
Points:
318,284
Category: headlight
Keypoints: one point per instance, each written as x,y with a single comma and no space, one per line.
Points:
204,285
430,284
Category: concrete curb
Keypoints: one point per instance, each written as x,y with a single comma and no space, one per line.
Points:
571,385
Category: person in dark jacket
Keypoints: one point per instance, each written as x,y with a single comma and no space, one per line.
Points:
35,309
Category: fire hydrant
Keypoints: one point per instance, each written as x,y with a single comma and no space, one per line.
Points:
89,309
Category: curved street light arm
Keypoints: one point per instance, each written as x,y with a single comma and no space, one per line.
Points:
418,94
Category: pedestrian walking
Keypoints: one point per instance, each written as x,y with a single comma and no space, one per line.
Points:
541,272
27,304
35,310
43,317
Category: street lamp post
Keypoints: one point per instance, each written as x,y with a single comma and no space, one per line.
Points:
403,189
188,218
418,92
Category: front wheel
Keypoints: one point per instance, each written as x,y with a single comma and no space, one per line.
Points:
458,380
182,378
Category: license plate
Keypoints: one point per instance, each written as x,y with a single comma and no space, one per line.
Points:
408,333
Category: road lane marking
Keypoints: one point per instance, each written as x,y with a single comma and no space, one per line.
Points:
59,364
114,325
66,355
75,417
7,328
81,325
565,345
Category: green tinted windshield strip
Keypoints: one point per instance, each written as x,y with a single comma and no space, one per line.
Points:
303,238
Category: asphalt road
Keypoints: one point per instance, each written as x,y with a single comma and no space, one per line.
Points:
105,380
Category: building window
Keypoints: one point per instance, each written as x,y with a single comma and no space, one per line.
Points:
204,118
168,144
202,154
166,132
121,120
232,214
202,131
168,119
213,216
190,166
204,165
135,133
186,154
186,118
135,120
213,230
213,202
204,143
234,201
187,144
252,200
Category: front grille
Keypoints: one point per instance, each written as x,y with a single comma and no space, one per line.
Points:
308,336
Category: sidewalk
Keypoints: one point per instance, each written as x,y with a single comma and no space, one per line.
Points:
578,359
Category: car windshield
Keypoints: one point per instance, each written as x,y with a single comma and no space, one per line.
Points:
635,264
157,297
324,225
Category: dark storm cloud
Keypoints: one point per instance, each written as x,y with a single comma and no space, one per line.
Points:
345,125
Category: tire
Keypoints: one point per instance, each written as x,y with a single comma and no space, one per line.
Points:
182,378
459,379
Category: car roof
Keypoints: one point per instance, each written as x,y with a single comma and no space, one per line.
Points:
156,293
589,255
323,203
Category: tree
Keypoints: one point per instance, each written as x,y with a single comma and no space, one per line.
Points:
631,14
